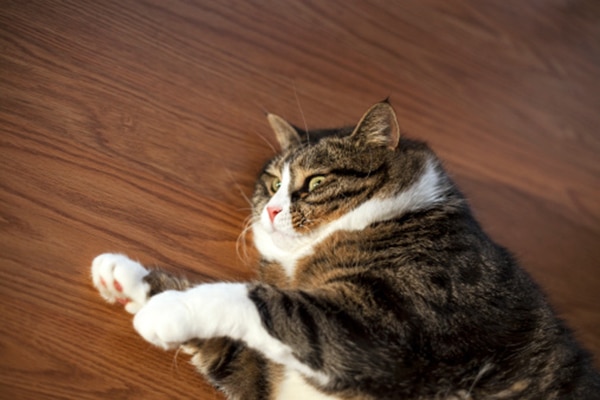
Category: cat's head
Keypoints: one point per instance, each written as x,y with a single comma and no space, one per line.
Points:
333,179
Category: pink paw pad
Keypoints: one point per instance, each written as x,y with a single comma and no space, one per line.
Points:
123,300
118,286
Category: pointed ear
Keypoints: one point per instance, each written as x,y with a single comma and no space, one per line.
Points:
286,134
378,126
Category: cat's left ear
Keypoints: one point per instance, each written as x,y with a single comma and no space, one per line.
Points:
286,134
379,126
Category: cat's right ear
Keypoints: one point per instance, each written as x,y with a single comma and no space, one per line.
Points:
286,134
379,127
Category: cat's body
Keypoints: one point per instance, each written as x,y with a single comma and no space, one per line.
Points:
375,282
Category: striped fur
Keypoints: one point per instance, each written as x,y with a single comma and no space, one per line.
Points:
376,282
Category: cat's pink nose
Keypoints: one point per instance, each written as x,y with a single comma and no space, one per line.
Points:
273,211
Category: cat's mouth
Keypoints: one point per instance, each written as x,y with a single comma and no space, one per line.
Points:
287,240
279,237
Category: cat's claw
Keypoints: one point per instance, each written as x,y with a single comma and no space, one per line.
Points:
120,279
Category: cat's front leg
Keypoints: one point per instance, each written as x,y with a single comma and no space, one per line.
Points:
239,371
202,312
215,310
168,315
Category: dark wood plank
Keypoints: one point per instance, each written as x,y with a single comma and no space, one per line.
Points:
138,127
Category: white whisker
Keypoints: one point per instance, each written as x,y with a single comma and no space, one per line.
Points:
301,112
174,363
238,187
266,141
241,247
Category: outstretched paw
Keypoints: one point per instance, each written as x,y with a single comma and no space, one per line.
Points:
172,318
166,321
120,279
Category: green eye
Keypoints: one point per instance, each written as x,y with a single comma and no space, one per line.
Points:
314,182
275,185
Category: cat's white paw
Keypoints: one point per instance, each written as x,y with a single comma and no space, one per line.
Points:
120,279
166,320
172,318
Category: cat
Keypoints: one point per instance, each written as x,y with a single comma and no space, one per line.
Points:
375,282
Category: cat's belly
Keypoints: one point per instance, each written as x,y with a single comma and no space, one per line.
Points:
293,387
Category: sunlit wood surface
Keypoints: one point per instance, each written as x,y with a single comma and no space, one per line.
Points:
138,127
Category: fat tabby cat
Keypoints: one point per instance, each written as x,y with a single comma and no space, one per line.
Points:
375,282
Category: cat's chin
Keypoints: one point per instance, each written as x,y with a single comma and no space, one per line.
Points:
278,245
285,241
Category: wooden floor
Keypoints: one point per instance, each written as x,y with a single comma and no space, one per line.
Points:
138,127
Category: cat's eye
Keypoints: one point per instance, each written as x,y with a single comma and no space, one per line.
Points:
275,185
314,182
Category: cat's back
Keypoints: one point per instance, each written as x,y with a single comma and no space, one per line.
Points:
433,295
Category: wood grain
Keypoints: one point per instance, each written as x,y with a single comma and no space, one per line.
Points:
138,127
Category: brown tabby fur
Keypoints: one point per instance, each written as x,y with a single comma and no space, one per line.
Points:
420,306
